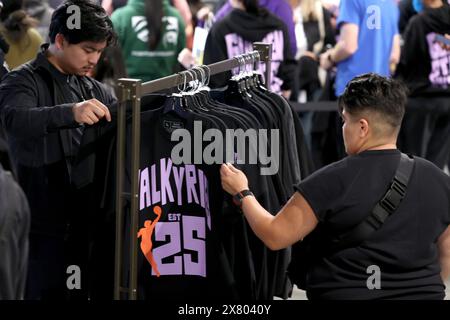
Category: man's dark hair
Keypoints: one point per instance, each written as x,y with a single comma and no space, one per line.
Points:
95,24
372,92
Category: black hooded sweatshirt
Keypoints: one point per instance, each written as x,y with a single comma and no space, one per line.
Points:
235,34
425,65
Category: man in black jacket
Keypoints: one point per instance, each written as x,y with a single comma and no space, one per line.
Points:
44,106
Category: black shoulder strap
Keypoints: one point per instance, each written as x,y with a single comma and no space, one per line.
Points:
382,210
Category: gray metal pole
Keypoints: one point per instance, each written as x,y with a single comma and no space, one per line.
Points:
120,152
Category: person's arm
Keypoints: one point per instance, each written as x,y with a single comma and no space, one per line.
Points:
23,118
395,52
291,224
444,254
345,48
350,18
184,10
20,114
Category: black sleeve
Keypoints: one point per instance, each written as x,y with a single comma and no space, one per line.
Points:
20,114
323,190
215,51
286,72
330,37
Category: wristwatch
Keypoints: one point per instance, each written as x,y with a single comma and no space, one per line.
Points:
238,197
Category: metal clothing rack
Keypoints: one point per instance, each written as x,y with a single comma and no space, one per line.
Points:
131,90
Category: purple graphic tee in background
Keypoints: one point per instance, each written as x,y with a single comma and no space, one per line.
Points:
440,63
280,8
236,45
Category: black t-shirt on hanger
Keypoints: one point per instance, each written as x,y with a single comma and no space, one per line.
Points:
183,244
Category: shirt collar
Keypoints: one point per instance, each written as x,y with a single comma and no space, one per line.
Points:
43,62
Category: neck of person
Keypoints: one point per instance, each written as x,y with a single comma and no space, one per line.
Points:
384,144
53,59
435,4
238,5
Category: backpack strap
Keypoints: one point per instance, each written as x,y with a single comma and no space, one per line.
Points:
388,204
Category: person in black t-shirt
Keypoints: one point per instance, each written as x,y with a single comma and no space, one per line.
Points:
411,250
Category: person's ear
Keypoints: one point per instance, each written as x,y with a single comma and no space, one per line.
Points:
364,128
59,41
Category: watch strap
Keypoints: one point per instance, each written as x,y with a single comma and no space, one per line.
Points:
238,197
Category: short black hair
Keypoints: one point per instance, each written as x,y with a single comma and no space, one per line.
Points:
95,25
372,92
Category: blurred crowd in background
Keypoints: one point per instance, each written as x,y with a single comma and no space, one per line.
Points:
322,47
